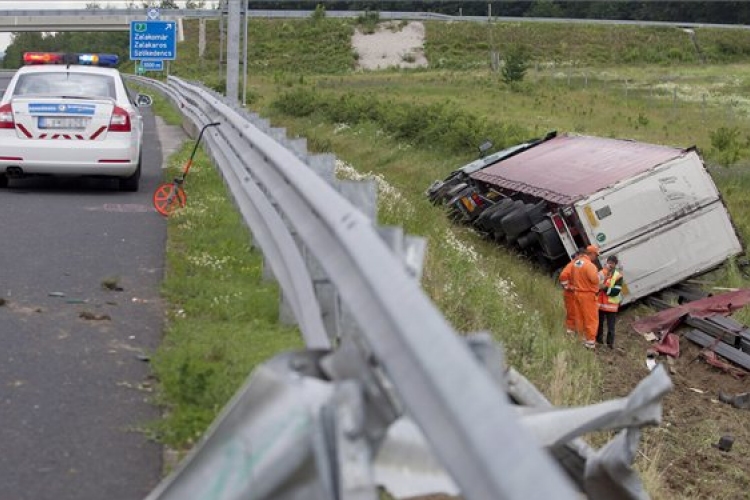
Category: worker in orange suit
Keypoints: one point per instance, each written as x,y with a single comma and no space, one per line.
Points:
568,295
585,279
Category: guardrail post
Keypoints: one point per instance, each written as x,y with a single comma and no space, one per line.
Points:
364,196
361,194
299,147
278,134
325,292
324,165
415,248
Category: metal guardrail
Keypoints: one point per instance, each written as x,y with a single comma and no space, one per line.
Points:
396,357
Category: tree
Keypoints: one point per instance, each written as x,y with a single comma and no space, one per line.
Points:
26,41
168,4
320,12
516,64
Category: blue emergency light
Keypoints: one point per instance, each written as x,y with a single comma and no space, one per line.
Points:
108,60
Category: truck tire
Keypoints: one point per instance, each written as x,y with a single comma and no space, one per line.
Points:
538,213
483,221
516,223
494,222
549,240
499,228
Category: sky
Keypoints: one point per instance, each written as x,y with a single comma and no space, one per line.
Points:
55,4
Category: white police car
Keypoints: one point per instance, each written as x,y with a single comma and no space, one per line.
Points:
71,115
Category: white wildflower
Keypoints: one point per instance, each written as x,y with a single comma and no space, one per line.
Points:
209,261
463,249
389,197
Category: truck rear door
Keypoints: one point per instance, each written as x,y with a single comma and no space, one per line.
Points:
665,225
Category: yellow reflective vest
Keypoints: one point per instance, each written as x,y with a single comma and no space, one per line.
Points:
610,295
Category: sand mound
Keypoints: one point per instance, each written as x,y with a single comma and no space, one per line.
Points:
392,45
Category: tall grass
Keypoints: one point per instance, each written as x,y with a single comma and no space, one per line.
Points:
222,317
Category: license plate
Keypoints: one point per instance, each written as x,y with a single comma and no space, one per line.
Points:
63,122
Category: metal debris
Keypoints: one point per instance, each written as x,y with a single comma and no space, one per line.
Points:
741,401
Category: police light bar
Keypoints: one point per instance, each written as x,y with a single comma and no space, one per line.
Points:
107,60
43,58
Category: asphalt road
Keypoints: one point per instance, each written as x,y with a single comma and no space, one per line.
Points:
74,388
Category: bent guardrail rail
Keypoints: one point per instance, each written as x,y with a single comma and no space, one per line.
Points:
310,424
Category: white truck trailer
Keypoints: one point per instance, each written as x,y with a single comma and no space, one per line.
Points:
655,207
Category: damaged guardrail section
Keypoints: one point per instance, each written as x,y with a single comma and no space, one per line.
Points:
387,393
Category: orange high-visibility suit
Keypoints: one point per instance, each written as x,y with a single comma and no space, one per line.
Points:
584,278
568,297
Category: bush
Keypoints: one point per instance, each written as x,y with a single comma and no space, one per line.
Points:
439,125
298,102
368,22
516,64
320,13
726,146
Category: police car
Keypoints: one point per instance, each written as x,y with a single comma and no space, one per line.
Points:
71,115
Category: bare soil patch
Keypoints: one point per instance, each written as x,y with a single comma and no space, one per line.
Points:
694,418
393,45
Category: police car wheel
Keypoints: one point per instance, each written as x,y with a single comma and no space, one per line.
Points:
131,183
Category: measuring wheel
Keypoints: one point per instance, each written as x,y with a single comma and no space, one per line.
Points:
168,197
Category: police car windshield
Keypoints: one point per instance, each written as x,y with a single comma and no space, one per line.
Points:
66,83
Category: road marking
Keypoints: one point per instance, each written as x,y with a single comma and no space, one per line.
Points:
122,208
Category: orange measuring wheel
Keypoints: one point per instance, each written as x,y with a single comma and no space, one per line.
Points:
168,197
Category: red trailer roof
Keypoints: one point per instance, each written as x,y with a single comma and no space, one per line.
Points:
566,169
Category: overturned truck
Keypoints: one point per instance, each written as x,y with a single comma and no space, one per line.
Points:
655,207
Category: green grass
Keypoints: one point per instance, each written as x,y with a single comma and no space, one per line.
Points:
222,317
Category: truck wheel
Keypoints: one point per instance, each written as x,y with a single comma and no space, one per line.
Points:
496,219
538,212
516,223
485,218
3,181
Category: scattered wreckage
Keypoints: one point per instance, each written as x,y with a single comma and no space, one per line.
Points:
719,336
655,207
